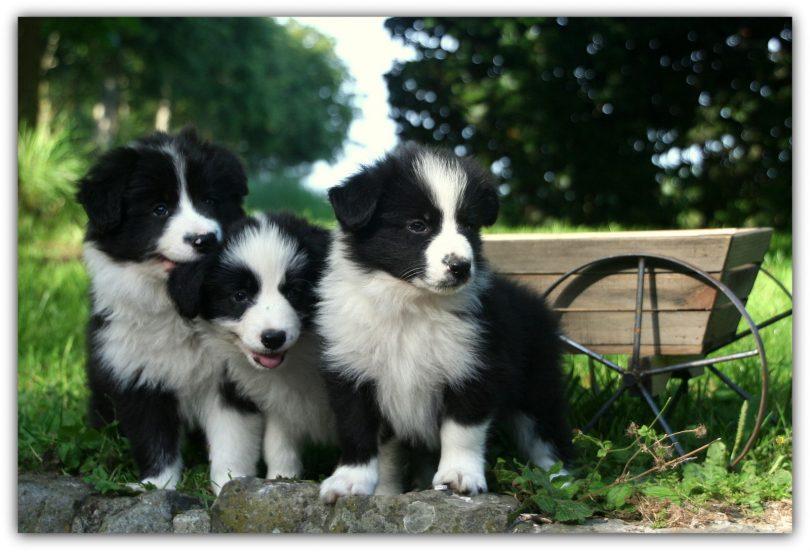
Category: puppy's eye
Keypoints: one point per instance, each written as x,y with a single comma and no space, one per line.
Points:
160,210
240,296
208,201
418,227
465,226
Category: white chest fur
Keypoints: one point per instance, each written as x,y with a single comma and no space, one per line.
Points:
410,343
144,337
294,393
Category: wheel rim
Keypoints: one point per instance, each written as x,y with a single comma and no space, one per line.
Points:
644,263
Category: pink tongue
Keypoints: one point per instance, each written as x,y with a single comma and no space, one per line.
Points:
268,361
168,265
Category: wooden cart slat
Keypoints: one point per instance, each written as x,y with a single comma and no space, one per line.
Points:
669,291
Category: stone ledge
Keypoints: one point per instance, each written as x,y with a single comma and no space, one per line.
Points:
53,503
250,505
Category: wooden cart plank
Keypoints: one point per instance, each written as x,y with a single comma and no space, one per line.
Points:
682,328
541,254
616,328
748,246
663,291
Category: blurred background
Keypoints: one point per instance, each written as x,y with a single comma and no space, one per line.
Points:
587,123
665,122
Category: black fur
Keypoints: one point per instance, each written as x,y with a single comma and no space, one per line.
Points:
121,190
518,370
375,205
119,195
206,287
233,398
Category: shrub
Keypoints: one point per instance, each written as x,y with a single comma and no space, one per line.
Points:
49,162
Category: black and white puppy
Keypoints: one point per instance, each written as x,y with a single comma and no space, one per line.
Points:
424,345
159,201
254,301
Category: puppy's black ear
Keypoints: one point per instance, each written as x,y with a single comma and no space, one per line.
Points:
185,286
189,133
355,201
101,190
489,206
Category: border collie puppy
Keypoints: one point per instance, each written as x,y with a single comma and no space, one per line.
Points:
423,344
255,299
159,201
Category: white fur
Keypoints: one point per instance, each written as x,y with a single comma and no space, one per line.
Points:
166,479
185,221
445,181
281,449
461,465
269,255
389,467
350,480
233,441
406,340
291,397
145,337
541,453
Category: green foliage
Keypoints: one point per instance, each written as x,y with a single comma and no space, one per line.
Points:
595,120
749,486
285,191
49,163
611,479
275,93
537,490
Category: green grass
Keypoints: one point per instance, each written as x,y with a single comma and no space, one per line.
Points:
52,434
280,191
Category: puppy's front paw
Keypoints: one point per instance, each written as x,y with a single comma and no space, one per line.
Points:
350,480
139,487
461,480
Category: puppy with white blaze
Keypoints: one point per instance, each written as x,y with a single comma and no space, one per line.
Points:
254,300
424,346
160,201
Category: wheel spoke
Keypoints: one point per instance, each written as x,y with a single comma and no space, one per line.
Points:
660,417
602,409
639,312
593,354
734,387
701,362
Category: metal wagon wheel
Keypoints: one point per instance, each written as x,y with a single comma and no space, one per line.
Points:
637,374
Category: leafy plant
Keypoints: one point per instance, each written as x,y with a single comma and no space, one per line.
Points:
49,163
645,467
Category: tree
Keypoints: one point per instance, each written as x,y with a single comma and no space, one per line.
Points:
29,60
665,121
275,93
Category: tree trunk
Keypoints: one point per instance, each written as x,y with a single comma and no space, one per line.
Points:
30,47
107,123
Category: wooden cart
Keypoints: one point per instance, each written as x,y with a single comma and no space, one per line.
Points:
666,299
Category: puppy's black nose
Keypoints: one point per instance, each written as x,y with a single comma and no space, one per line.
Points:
459,268
273,339
201,242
